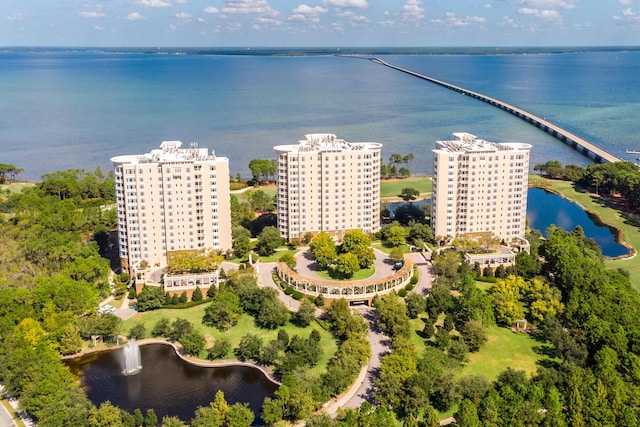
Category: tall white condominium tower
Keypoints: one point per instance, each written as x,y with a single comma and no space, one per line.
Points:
479,188
328,184
171,199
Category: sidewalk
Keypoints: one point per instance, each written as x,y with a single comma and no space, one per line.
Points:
9,421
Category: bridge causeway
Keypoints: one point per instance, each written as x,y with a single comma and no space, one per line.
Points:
581,145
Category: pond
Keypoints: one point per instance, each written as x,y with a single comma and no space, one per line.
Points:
167,383
545,209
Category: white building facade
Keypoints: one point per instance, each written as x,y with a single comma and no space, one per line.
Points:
171,199
479,188
328,184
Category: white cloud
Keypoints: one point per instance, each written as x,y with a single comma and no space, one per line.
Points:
210,9
153,3
181,1
625,2
552,16
98,28
16,17
246,6
412,10
183,15
359,4
628,15
452,19
550,4
528,11
303,9
91,14
487,6
307,13
135,16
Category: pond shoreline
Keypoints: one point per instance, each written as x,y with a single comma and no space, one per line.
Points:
619,233
192,360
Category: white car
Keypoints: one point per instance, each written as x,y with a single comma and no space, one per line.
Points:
107,309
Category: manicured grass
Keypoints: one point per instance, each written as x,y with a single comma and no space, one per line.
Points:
358,275
629,226
503,349
485,286
387,249
234,335
277,255
392,188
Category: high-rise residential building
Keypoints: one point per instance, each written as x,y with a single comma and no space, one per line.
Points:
328,184
171,199
479,188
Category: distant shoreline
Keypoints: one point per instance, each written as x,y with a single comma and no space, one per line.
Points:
322,51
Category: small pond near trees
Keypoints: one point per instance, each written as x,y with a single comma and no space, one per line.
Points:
167,383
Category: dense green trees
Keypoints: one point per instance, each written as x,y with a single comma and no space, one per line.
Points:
150,298
353,254
223,312
324,250
220,414
263,169
180,262
268,241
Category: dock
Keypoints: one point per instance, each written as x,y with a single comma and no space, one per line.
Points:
579,144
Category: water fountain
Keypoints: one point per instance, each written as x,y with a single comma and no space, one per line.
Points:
131,358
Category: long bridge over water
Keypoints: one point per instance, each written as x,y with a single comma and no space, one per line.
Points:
580,144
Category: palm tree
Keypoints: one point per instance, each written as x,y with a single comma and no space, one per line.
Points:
408,159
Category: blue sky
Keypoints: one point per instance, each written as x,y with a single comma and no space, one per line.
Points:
293,23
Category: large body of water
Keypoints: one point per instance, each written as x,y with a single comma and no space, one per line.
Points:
76,109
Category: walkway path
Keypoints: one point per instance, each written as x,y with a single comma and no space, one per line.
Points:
5,416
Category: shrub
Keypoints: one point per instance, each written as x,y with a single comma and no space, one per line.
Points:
138,331
414,280
132,293
297,295
219,350
289,290
197,294
403,293
410,287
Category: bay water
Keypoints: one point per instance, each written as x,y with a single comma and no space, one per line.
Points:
62,109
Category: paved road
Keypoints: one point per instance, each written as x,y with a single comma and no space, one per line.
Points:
5,418
423,261
379,344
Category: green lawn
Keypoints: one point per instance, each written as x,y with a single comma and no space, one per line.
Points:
358,275
387,249
503,349
391,188
245,325
629,226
